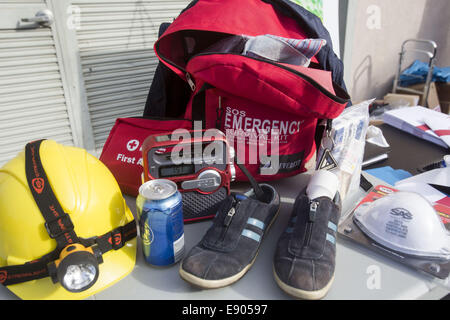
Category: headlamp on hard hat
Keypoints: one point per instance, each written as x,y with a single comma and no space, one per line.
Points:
77,268
75,261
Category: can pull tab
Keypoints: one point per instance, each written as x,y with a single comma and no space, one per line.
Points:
158,189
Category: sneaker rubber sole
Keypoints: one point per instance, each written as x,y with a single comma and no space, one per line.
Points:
303,294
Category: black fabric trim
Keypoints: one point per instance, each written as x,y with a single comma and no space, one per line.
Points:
198,108
365,184
57,222
190,5
199,105
115,239
22,273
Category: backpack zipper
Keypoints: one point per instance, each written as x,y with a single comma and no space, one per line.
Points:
190,81
301,75
160,118
219,113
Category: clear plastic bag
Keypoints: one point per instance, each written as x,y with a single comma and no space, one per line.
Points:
348,138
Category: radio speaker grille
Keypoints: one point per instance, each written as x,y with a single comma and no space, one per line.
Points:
197,206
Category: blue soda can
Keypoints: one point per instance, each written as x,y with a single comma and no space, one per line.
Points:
160,216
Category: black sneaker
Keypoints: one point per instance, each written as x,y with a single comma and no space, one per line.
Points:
230,246
304,260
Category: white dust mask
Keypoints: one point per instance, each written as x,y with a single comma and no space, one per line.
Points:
405,222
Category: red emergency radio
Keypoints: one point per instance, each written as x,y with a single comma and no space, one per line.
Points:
200,162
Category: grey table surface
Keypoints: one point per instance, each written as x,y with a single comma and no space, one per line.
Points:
360,274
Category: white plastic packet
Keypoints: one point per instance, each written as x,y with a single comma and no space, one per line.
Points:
348,136
375,135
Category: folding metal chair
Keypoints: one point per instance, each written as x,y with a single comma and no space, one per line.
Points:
431,54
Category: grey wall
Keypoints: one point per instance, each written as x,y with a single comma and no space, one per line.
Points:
375,32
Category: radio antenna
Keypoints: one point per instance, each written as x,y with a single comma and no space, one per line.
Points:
256,187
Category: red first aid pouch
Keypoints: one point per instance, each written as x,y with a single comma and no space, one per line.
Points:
122,152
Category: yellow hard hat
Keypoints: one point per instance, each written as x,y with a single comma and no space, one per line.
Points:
65,229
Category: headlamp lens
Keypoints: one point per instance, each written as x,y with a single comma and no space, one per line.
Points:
77,269
79,277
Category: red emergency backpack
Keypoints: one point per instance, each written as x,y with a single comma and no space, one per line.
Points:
255,100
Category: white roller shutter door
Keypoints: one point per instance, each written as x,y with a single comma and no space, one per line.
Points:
33,104
70,82
115,41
